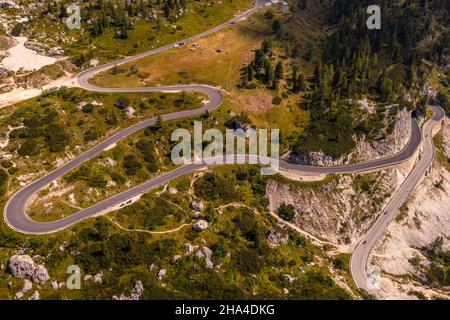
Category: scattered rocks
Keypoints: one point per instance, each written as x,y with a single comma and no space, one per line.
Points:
55,285
189,248
3,72
35,296
285,291
22,266
161,274
288,278
129,111
152,17
27,286
135,294
19,295
87,277
173,190
43,49
276,237
206,253
93,62
176,258
7,4
138,288
98,278
200,226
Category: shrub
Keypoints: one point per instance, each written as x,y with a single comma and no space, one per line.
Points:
3,182
250,85
143,75
91,135
87,108
122,103
238,121
131,165
57,138
98,181
28,148
118,178
277,100
269,14
286,211
213,187
6,164
17,30
341,262
331,132
248,261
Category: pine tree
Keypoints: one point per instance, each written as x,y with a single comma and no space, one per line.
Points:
267,46
250,73
268,74
276,26
279,71
301,82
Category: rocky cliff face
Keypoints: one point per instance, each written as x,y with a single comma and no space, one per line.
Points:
365,150
394,143
424,218
339,210
316,159
6,43
419,224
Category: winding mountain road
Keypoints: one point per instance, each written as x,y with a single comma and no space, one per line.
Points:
15,210
360,257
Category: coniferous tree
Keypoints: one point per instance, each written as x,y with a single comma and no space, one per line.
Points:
279,71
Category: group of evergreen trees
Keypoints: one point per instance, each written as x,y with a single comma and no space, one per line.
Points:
387,65
100,15
360,56
261,70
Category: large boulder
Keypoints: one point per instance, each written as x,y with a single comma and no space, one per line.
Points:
40,274
200,226
21,266
197,205
205,253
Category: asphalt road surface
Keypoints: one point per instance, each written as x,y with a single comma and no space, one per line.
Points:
359,259
15,210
